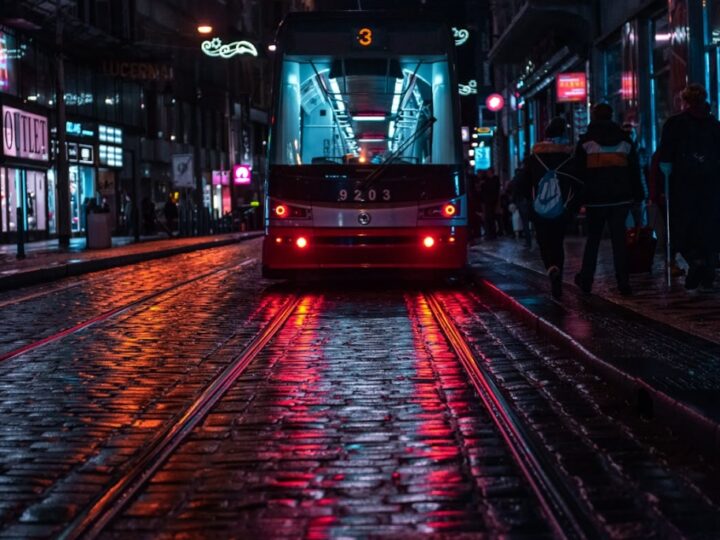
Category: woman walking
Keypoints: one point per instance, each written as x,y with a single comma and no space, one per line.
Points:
547,180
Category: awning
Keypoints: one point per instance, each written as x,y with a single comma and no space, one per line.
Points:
533,22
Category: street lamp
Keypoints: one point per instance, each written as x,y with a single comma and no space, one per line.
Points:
204,29
272,47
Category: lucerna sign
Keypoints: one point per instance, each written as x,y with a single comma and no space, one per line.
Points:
215,47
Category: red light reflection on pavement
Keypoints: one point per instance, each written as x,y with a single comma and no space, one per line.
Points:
440,378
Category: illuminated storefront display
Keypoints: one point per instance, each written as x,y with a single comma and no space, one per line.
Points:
571,87
25,154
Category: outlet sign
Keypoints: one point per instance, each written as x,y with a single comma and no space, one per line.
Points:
24,134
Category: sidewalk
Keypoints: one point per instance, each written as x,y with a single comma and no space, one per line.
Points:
46,261
660,348
695,312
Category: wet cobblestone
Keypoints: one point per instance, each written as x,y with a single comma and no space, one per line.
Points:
354,422
629,484
77,410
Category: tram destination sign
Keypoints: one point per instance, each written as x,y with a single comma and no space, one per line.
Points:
24,134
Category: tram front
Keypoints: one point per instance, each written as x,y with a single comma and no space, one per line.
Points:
365,166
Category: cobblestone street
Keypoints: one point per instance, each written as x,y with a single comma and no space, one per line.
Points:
188,397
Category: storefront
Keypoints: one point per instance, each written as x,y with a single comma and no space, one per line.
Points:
94,156
23,167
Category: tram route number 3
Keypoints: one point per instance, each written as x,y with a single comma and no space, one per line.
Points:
357,195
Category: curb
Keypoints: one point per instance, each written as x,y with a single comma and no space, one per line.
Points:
686,421
52,273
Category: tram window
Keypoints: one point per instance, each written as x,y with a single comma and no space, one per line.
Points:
329,108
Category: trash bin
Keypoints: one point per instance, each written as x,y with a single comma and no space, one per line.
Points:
98,232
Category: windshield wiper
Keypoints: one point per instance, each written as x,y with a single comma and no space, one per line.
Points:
368,181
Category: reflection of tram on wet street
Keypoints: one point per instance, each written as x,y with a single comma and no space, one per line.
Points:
365,166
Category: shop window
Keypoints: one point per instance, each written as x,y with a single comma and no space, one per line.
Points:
12,186
3,202
35,204
52,208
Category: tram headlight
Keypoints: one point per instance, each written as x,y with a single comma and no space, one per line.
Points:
428,242
301,242
449,210
444,211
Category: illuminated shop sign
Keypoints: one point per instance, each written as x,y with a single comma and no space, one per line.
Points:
110,156
86,154
25,135
215,47
571,87
461,35
220,178
4,68
72,151
242,174
110,134
78,129
137,71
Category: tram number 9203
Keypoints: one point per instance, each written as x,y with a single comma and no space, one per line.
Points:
358,195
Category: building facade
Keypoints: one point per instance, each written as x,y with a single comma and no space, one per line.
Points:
554,58
139,94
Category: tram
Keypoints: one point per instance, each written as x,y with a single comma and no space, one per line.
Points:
365,166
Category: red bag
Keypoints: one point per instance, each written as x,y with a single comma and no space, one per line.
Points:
641,243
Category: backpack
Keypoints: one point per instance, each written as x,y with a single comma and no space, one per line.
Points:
548,202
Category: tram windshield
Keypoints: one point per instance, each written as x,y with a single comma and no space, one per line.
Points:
334,110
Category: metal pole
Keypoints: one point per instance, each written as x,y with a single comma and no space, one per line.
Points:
63,180
667,231
20,231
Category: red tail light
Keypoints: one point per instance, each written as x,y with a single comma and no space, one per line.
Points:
281,211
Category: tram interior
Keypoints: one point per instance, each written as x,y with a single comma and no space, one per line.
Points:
364,110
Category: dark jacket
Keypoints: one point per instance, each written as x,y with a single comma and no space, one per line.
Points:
548,155
691,144
607,163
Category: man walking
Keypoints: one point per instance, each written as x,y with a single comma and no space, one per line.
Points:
607,163
690,153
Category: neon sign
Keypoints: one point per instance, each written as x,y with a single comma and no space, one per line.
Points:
215,47
571,87
469,88
242,174
461,35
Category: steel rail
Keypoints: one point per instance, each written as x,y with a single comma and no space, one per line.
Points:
113,312
568,518
91,522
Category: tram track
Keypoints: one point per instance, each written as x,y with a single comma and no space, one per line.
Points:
91,522
29,347
554,496
569,519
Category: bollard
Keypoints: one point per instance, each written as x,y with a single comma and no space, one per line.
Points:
20,234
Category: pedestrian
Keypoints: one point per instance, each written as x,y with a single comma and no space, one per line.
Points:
170,210
607,164
690,154
550,165
490,195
